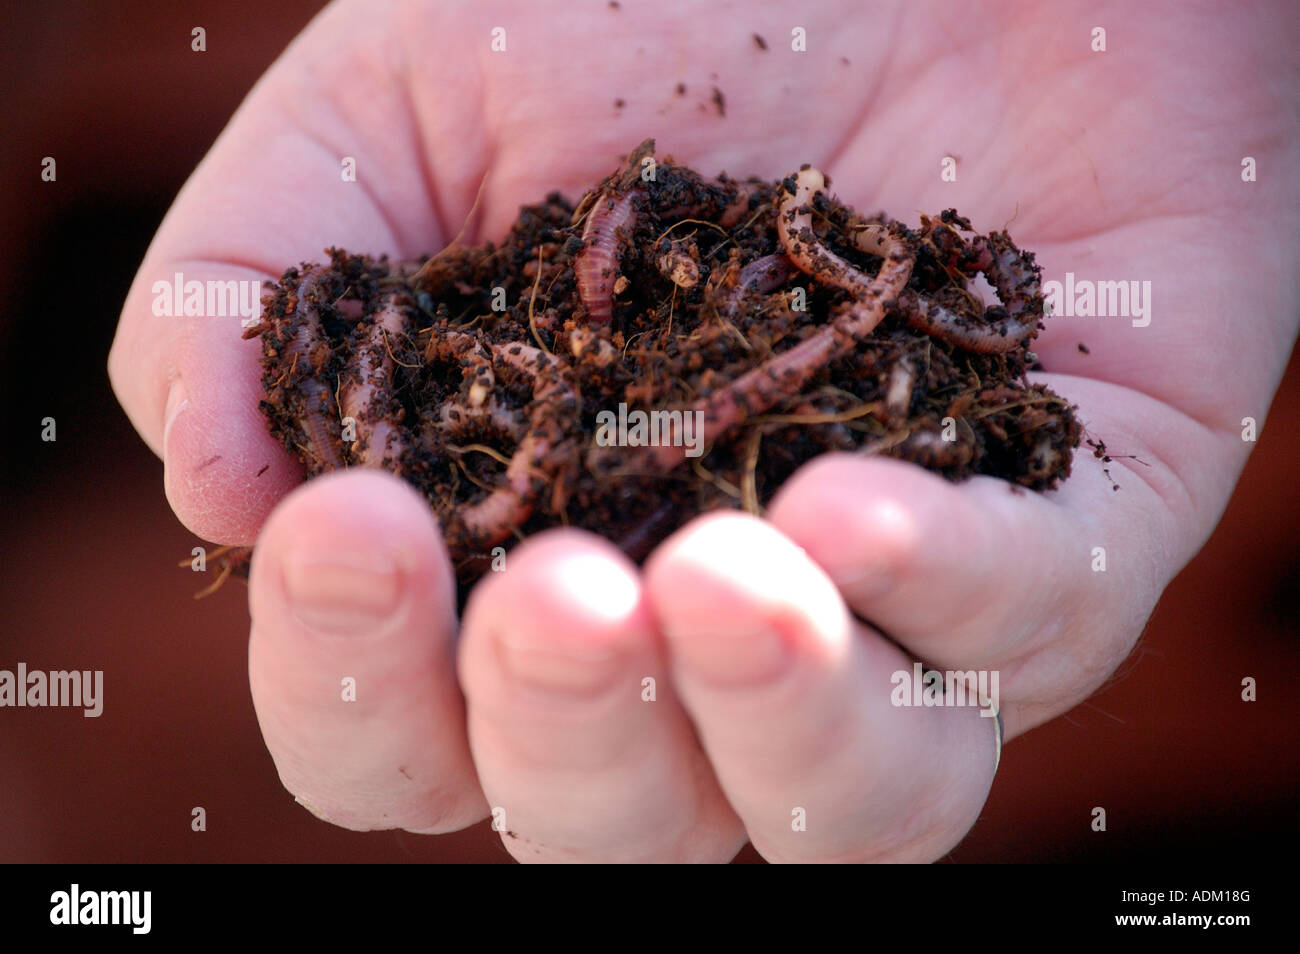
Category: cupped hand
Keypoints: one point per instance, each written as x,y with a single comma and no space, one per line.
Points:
769,645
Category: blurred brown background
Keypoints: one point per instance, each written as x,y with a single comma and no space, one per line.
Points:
1185,770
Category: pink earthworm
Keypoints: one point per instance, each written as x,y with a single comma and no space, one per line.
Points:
976,335
739,207
794,224
1013,275
762,275
785,374
374,372
482,405
538,456
596,266
767,273
316,398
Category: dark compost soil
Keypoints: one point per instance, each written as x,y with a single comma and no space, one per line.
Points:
491,377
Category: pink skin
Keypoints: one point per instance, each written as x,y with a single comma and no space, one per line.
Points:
765,678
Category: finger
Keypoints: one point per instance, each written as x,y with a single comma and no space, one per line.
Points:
581,757
269,195
987,575
916,555
351,658
223,472
793,704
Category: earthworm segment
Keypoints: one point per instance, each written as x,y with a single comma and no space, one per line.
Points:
666,345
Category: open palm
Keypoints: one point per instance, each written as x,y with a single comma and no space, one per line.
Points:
771,642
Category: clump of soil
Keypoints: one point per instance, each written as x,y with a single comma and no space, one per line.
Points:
521,385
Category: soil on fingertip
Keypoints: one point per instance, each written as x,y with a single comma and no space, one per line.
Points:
491,378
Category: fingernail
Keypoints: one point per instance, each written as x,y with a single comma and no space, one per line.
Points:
739,657
559,667
353,592
177,400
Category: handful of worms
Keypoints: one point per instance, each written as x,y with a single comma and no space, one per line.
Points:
669,345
